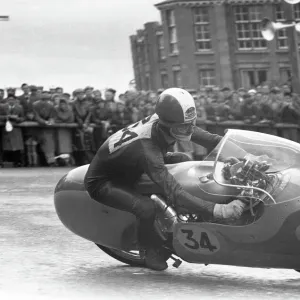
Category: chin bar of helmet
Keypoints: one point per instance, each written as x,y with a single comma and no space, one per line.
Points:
173,125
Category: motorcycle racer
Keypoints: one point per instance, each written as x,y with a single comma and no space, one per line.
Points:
144,148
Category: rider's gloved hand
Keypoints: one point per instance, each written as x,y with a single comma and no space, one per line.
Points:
232,210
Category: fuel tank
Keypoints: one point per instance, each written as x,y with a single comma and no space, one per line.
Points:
196,178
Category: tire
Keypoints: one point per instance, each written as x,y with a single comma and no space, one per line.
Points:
125,257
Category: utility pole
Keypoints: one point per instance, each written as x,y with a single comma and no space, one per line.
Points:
268,30
293,48
4,18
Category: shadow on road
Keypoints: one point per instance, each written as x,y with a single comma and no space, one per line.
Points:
180,279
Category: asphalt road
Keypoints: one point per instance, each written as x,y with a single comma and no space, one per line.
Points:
41,259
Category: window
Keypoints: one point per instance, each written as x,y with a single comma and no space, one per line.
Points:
281,34
176,78
207,78
164,80
285,75
202,32
297,11
173,42
160,45
141,50
247,23
146,56
253,78
148,83
282,42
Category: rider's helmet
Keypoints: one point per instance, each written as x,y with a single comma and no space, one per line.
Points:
176,110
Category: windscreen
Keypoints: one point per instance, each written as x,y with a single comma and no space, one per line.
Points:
251,161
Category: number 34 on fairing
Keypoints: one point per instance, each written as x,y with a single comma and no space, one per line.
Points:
197,239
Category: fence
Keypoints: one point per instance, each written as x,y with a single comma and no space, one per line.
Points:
62,130
288,131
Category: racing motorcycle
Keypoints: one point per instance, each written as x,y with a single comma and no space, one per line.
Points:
260,169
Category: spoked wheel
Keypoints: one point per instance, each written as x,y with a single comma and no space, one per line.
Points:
131,258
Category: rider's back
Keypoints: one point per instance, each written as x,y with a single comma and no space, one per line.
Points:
122,158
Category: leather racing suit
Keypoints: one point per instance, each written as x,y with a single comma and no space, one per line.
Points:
126,155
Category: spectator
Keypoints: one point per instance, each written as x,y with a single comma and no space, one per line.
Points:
210,107
89,91
152,98
121,118
59,90
63,112
101,117
89,95
289,112
209,92
26,93
265,110
79,95
66,96
227,95
10,92
199,151
44,110
235,108
286,89
110,95
2,96
83,137
111,108
12,141
249,109
35,95
241,92
149,109
44,115
97,95
265,89
27,104
55,99
200,107
276,103
52,90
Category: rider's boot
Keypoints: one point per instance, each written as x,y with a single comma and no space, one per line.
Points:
155,259
151,247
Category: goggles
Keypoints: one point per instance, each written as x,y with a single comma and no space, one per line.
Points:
183,129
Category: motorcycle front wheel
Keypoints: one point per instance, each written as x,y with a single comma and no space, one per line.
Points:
131,258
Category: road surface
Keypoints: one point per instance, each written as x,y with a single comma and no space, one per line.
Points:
41,259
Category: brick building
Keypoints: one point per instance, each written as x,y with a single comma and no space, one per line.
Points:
211,42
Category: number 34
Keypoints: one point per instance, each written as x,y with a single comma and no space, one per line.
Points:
203,243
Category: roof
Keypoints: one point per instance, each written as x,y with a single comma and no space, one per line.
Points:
171,3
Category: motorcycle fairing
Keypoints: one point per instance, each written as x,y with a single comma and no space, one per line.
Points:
114,228
271,241
90,219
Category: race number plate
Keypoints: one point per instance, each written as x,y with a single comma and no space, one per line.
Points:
198,240
139,130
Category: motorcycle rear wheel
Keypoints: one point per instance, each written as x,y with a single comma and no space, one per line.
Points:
130,258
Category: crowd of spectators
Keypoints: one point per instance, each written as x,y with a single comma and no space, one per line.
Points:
100,114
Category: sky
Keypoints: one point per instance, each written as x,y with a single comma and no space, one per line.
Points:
70,43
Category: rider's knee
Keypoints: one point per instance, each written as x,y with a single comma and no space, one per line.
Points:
144,208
